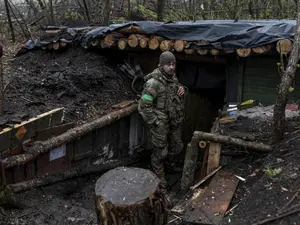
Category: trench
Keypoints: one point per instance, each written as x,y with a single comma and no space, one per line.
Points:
123,142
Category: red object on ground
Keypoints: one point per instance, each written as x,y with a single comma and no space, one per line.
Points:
292,107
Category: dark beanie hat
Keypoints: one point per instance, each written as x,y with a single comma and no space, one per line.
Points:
166,57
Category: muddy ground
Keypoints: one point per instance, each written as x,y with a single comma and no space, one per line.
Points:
271,181
85,83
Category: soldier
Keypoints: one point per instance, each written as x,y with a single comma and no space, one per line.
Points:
161,106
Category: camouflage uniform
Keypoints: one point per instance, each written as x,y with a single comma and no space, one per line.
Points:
162,109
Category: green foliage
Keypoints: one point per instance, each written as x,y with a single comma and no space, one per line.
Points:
272,172
146,13
69,15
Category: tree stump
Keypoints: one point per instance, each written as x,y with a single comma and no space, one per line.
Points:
130,196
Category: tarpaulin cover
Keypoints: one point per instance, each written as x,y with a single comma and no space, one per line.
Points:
221,34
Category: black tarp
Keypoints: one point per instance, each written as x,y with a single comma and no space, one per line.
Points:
222,34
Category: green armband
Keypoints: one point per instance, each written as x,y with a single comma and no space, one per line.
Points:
147,97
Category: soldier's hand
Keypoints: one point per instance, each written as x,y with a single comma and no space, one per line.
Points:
180,90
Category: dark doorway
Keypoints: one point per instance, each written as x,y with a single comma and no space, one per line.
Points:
207,87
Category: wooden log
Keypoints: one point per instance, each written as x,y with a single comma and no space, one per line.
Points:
189,51
179,45
132,29
154,42
50,46
214,52
73,173
122,44
111,38
62,44
284,46
95,42
103,44
222,139
144,42
262,49
189,166
229,51
130,196
134,39
202,51
40,147
243,52
56,45
166,45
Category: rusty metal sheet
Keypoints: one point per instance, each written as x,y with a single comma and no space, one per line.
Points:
211,205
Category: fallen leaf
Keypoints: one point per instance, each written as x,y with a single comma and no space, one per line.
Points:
284,189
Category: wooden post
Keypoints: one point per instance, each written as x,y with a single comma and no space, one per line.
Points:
214,150
130,196
189,167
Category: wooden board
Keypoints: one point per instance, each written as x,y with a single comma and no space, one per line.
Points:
11,137
211,205
213,161
42,135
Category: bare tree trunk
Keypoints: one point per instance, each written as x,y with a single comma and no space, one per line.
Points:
25,30
160,9
32,6
86,11
10,24
129,9
1,85
51,12
106,12
286,82
235,10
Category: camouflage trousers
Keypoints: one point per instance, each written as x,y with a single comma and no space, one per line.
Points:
168,144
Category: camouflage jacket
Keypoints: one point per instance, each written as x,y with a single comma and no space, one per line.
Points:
160,101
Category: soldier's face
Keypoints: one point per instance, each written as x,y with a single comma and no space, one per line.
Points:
169,68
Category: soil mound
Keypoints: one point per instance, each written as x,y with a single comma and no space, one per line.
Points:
82,82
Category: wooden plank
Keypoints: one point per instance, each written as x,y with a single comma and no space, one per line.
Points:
5,135
214,153
42,135
11,137
212,204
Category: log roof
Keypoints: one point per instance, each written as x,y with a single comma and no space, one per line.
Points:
245,37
